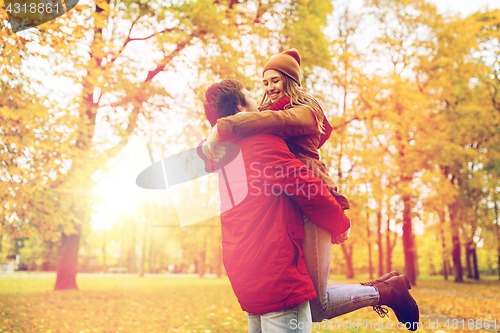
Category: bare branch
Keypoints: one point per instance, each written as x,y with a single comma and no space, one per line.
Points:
172,55
127,40
151,36
130,31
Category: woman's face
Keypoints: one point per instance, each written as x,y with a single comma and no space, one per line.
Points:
273,84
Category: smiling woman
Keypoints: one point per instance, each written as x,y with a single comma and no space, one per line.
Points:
274,84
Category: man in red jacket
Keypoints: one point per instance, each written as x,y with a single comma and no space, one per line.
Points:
261,235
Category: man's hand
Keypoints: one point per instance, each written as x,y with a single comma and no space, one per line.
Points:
341,238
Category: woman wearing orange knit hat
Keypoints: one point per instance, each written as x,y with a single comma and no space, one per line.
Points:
288,111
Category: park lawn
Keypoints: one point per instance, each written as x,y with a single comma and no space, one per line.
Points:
120,304
478,300
168,304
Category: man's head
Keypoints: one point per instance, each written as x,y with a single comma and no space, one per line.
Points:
227,98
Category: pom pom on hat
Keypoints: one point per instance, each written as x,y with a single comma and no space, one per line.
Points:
287,62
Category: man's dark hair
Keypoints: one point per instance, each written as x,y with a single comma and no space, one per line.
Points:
222,99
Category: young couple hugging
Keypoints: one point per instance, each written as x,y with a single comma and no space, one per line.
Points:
276,245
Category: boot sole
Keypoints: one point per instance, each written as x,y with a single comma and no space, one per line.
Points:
408,286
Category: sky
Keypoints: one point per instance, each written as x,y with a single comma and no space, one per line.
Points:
465,7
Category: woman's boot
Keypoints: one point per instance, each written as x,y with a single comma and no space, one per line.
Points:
394,293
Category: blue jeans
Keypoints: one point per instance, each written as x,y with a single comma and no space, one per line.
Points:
296,319
331,301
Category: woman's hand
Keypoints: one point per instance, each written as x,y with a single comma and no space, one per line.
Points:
211,149
341,238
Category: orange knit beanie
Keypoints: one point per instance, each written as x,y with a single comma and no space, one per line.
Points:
287,62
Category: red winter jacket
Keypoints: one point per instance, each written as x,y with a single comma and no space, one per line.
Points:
299,127
261,236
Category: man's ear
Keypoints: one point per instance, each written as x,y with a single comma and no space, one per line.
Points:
240,108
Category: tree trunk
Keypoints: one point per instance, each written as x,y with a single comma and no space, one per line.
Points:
68,261
121,257
144,239
468,258
457,265
370,262
408,242
455,240
474,263
104,268
348,260
79,180
132,265
151,264
498,235
379,244
218,258
443,245
389,246
202,266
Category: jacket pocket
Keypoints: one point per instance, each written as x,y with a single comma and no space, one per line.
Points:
295,231
296,234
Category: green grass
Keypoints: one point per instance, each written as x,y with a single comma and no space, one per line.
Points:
167,304
120,304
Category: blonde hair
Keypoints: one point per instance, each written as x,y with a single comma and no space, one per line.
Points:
298,97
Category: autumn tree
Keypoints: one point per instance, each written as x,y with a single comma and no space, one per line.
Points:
419,132
464,121
130,48
34,141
